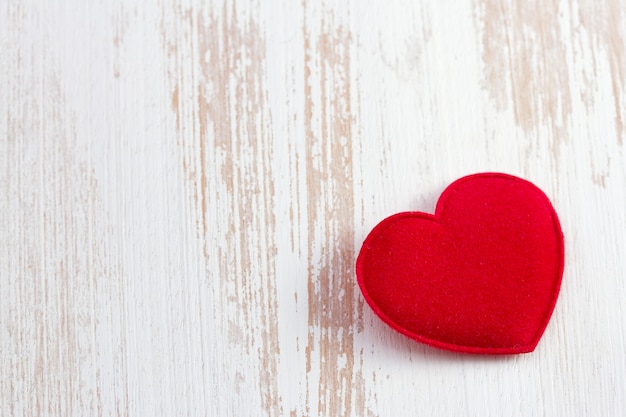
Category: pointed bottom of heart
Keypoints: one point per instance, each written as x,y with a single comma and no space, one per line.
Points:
481,275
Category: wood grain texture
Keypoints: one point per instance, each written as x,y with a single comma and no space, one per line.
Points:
184,186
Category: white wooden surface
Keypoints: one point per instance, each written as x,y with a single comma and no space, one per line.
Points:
184,186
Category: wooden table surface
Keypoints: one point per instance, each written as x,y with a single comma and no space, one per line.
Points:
184,187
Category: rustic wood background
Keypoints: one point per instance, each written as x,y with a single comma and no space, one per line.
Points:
184,186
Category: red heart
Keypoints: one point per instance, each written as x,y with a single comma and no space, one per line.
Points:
480,276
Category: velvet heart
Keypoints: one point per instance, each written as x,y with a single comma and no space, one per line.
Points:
481,275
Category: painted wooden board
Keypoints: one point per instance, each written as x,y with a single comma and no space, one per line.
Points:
184,187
